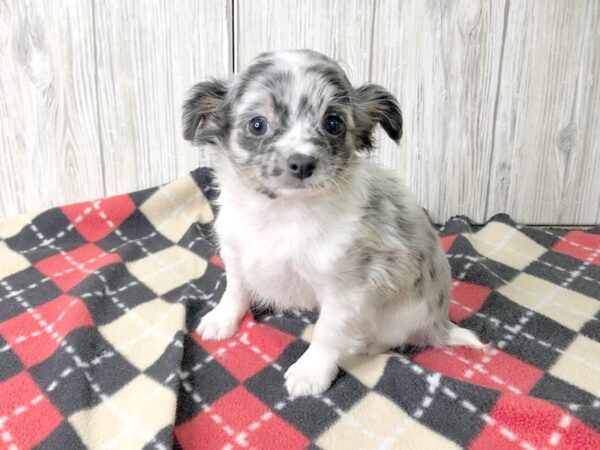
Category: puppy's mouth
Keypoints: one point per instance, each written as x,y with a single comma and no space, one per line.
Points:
299,188
308,183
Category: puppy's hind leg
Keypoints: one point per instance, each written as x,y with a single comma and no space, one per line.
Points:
462,336
445,333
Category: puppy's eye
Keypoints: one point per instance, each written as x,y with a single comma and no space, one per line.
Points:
258,126
333,125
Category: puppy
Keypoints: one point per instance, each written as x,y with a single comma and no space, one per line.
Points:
306,222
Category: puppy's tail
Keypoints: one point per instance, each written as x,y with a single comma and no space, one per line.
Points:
462,336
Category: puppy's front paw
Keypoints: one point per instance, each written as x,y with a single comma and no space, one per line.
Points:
309,376
217,325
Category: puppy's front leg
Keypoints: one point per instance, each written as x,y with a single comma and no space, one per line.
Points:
314,371
223,321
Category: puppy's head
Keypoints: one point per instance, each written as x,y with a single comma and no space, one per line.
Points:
291,123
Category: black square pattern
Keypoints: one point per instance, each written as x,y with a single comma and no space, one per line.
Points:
568,272
47,232
82,369
10,364
135,238
111,293
207,378
28,288
538,341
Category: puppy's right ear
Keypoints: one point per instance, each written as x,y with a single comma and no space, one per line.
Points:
203,112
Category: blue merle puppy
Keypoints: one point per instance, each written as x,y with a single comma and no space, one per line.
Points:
306,222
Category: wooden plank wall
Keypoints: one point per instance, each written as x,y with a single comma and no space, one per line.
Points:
501,99
91,90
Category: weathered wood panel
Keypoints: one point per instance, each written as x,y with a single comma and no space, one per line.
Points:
338,28
49,141
547,134
148,55
501,99
441,59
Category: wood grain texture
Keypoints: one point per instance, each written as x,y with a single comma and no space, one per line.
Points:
501,99
441,60
547,152
49,141
148,55
338,28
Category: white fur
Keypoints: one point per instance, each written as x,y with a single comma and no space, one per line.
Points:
350,240
287,253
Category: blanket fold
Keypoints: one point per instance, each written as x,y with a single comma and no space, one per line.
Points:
99,302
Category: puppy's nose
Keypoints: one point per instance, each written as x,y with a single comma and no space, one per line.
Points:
301,166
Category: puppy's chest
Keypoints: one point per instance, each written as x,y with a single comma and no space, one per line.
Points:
283,257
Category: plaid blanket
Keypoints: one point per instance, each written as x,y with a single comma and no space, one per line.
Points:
99,302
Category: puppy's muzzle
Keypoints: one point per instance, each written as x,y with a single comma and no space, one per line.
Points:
301,166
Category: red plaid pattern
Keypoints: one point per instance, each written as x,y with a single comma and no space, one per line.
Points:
61,316
67,269
99,302
27,416
255,347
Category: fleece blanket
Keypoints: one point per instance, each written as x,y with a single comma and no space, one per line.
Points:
99,302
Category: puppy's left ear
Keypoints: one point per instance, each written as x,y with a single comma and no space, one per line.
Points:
203,112
375,105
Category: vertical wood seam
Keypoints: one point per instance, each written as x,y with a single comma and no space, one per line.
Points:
576,106
495,114
97,92
372,43
233,36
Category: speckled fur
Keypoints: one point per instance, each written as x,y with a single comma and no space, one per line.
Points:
349,240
